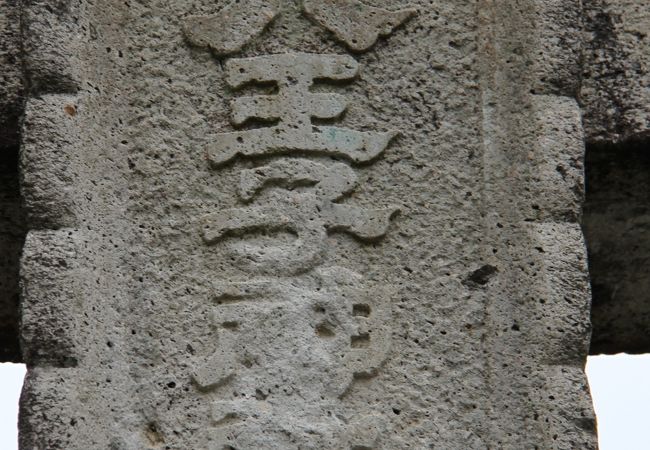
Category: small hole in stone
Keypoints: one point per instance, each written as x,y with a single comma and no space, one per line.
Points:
360,341
232,325
323,330
361,310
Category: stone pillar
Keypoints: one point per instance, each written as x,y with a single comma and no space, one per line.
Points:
538,300
303,225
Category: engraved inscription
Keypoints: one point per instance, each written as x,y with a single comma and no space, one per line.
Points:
291,347
229,30
294,106
295,336
310,216
356,24
352,345
238,424
352,22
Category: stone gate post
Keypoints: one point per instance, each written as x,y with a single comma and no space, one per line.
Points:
289,225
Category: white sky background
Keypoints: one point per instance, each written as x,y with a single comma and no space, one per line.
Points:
620,387
11,381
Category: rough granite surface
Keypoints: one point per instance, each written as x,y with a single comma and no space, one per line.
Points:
11,80
348,245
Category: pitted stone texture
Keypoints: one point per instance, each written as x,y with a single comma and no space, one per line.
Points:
331,183
49,260
285,430
49,161
615,92
421,258
51,41
538,296
336,323
294,107
557,182
233,27
327,332
11,79
355,23
425,358
559,37
52,410
310,216
73,184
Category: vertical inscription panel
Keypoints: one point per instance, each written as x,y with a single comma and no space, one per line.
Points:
301,224
305,179
294,320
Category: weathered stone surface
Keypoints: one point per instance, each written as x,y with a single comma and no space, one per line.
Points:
233,27
224,235
49,158
616,76
11,81
537,303
50,295
354,23
294,106
51,42
559,36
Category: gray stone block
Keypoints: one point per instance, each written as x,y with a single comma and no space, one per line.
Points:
303,225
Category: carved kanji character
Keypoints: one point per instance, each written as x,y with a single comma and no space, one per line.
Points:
293,107
309,215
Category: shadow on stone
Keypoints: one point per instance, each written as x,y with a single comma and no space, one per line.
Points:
617,228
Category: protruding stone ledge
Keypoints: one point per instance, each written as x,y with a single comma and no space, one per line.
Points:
557,162
51,39
562,292
557,47
537,303
49,148
51,300
49,413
